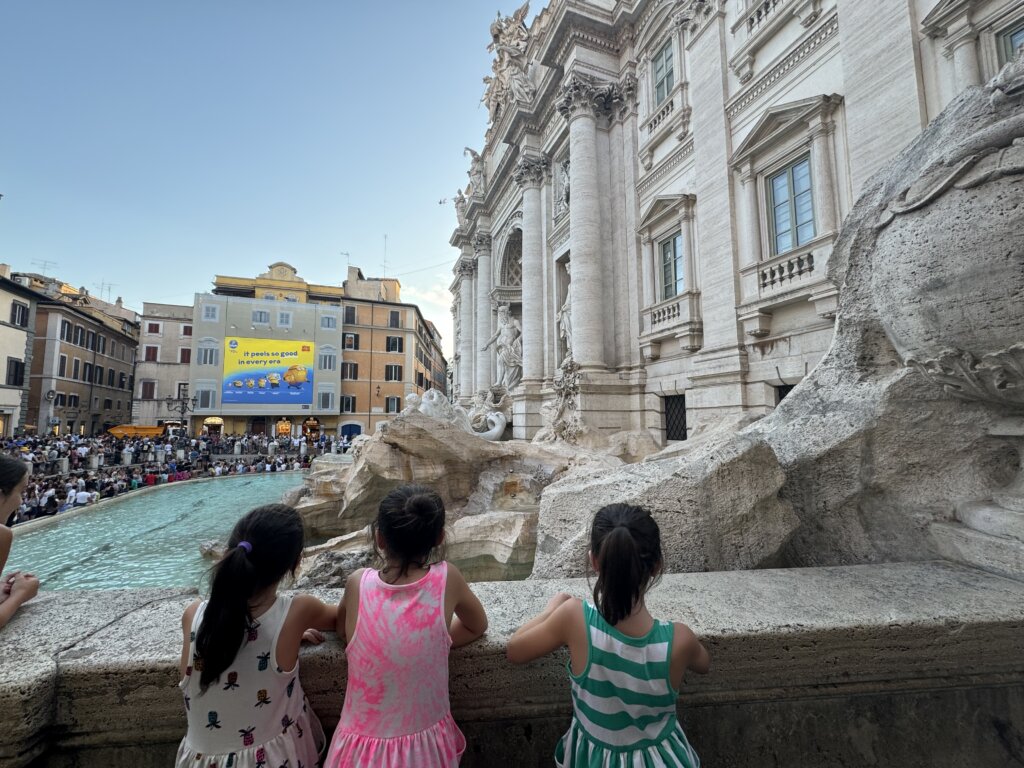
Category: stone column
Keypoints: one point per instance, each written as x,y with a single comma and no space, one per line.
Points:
647,256
466,298
482,249
687,241
580,103
963,47
529,174
823,178
750,245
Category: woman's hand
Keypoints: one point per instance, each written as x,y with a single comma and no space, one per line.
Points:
556,601
23,587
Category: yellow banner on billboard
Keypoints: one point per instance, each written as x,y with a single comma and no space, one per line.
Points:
268,371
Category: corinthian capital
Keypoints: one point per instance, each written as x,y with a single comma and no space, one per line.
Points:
530,171
581,95
481,243
466,268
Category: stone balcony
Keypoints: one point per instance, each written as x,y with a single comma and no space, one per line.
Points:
675,318
911,664
672,118
797,275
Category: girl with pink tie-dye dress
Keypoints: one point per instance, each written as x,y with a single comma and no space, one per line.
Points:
399,625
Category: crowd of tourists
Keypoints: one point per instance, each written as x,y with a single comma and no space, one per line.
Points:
69,471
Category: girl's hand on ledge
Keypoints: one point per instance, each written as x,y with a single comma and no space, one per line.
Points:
313,636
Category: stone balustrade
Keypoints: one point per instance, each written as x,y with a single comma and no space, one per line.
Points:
910,665
661,116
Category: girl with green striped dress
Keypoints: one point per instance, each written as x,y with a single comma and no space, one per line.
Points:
625,667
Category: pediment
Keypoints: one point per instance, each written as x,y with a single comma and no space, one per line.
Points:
938,18
657,208
778,121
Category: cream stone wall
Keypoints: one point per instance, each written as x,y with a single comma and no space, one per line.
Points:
756,88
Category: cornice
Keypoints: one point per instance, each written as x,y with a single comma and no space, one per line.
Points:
665,167
828,29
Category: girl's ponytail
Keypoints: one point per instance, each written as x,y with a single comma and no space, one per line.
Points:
264,546
626,545
226,618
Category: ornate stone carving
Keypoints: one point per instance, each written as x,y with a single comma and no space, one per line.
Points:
481,243
466,268
563,189
508,341
510,80
997,379
564,318
582,95
475,172
562,419
460,208
530,170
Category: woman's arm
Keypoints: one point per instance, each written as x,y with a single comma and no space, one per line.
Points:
186,640
470,620
6,537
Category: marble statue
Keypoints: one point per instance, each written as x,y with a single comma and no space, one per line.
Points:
564,318
509,347
511,74
460,208
476,172
564,188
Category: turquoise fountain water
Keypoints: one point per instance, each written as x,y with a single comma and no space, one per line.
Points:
144,540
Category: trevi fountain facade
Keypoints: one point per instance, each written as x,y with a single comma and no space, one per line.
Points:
789,231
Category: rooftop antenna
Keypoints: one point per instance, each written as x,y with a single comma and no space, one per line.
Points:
384,266
347,255
104,288
45,264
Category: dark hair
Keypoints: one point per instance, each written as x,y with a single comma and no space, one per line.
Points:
626,545
410,520
275,536
11,473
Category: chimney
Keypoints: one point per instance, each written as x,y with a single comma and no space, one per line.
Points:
5,271
119,303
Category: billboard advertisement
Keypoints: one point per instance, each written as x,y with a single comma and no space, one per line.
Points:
267,372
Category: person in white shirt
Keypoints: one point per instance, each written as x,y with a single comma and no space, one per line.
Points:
82,498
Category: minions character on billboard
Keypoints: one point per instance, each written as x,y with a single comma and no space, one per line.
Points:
267,372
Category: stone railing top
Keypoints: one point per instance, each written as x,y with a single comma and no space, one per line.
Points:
97,671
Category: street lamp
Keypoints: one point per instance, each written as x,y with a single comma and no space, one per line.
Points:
181,405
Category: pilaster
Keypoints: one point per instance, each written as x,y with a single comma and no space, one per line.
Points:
529,175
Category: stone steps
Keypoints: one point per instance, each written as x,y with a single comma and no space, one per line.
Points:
960,543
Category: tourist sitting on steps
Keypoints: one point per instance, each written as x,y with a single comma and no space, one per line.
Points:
15,588
626,667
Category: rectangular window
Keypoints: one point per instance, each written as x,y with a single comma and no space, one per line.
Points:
328,322
350,315
19,314
15,372
395,344
110,377
207,356
79,340
328,361
325,401
211,312
260,317
153,328
113,348
62,366
90,341
675,417
419,379
102,341
186,330
65,330
351,341
148,390
1011,41
75,368
791,206
348,404
350,371
394,319
150,354
185,355
122,381
782,390
99,374
392,373
284,319
392,404
108,404
73,401
87,372
61,400
207,398
664,73
672,272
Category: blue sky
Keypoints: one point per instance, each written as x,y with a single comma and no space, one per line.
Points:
154,143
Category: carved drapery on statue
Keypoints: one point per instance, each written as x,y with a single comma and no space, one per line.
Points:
510,71
509,348
564,317
475,173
